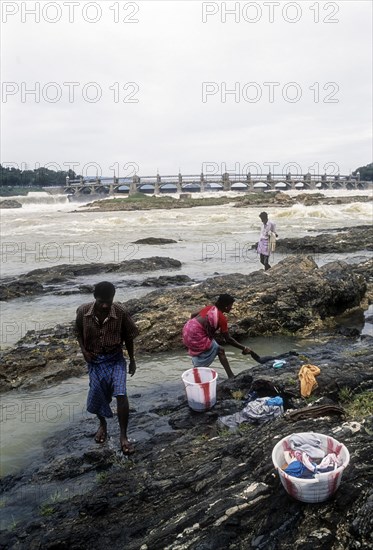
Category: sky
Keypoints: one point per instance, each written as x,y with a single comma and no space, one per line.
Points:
112,87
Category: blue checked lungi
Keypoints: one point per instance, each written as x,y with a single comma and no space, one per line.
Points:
206,358
107,379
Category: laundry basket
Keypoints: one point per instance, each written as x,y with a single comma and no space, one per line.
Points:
323,485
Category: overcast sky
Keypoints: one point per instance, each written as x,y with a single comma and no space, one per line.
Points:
146,84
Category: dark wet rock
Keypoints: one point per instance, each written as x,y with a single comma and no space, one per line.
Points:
279,198
348,331
349,240
195,486
161,281
155,241
34,282
165,280
10,203
40,359
14,289
295,297
128,266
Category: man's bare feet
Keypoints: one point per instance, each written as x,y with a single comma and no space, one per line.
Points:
126,446
101,435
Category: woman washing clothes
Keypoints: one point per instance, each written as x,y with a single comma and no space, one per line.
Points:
199,331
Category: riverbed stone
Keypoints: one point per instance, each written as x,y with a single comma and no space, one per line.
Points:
198,486
304,300
52,278
10,203
155,241
342,241
302,297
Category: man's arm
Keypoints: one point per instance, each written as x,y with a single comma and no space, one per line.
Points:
273,228
131,354
129,332
88,356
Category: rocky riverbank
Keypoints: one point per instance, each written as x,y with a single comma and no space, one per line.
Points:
192,484
294,297
81,495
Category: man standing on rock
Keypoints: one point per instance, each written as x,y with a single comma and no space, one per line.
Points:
198,334
101,327
267,233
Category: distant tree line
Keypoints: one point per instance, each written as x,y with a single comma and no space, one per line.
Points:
40,177
366,172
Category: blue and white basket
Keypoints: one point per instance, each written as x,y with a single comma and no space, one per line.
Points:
324,485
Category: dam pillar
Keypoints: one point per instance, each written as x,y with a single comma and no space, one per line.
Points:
179,185
134,183
226,182
202,182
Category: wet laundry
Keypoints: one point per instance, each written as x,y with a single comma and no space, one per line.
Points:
260,410
305,457
307,442
262,388
300,464
307,379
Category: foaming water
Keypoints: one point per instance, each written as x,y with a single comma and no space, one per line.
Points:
40,199
324,216
208,239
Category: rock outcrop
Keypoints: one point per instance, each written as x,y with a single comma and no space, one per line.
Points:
294,297
342,241
155,241
54,277
10,203
192,485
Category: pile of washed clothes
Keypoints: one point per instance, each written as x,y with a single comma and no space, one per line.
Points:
262,404
306,457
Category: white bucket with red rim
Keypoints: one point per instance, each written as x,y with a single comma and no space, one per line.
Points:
323,485
200,388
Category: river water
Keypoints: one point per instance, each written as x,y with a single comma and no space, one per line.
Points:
214,239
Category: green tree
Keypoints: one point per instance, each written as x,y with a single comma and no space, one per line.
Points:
366,172
40,177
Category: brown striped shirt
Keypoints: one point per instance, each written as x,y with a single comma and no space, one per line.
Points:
105,338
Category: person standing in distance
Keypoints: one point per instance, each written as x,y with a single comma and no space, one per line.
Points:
102,327
264,240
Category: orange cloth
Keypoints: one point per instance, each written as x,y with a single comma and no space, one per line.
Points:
307,379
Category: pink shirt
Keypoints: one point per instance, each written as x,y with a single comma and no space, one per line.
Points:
195,335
